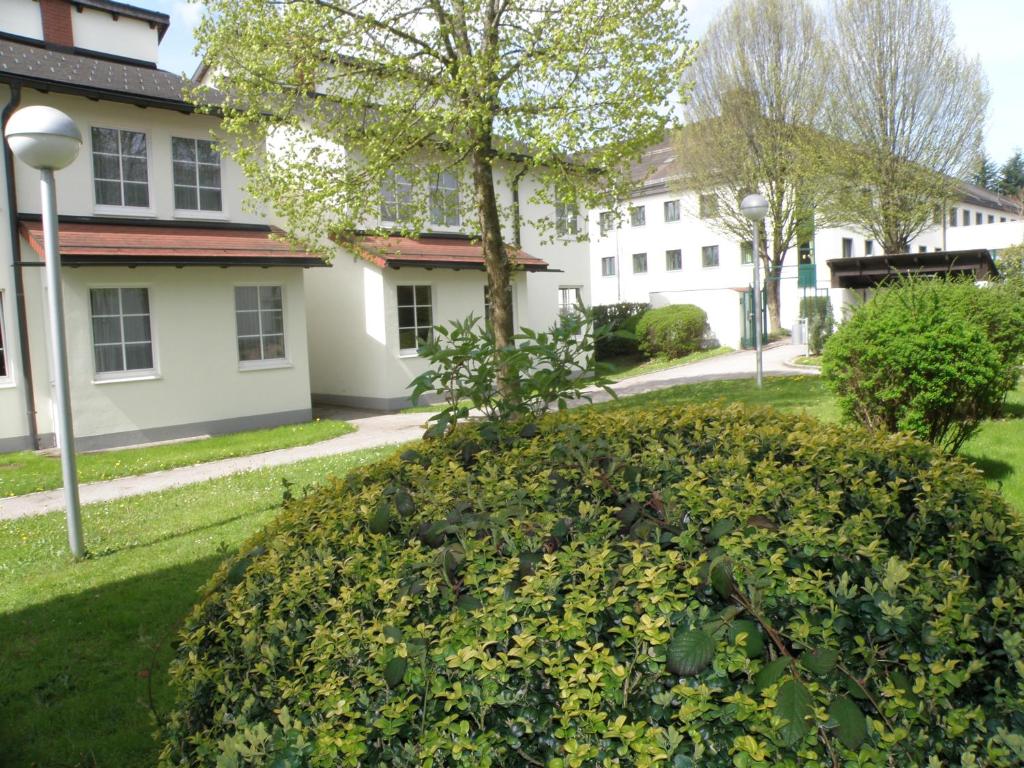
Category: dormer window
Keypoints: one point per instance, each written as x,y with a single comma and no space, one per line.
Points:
196,175
119,167
396,204
567,219
444,201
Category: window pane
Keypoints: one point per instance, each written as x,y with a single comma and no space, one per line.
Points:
247,323
249,348
422,294
184,174
406,317
134,301
209,176
108,358
407,339
423,316
245,298
106,167
270,297
105,301
273,347
183,149
424,335
134,169
405,295
209,199
207,153
273,321
138,356
136,328
108,193
133,143
106,330
104,140
136,195
186,199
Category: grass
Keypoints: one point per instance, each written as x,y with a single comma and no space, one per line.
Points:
620,368
27,472
813,361
84,646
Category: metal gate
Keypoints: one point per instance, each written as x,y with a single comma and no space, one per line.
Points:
747,317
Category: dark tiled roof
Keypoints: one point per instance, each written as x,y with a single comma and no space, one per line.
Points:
449,252
976,195
160,20
102,244
90,76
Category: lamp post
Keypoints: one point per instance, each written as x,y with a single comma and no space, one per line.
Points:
755,207
48,140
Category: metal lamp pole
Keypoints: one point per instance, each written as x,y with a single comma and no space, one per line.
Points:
49,140
755,207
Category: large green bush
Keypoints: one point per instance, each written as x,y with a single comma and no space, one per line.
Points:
679,587
672,331
931,357
620,321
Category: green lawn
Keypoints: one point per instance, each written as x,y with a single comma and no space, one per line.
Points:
813,361
84,647
619,368
26,472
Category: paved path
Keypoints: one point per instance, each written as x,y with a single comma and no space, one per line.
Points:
377,429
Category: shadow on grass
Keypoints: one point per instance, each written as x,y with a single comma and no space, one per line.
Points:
80,672
1013,410
170,536
993,469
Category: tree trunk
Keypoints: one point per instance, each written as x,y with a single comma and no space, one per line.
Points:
772,280
496,259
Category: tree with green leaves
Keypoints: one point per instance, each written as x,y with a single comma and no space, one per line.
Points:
908,108
985,174
758,96
1011,176
334,108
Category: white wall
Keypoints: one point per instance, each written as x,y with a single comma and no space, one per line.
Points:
97,30
75,188
22,17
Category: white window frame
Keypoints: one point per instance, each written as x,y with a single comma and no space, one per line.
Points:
676,206
123,210
264,363
413,351
394,181
608,260
744,250
568,308
605,222
187,213
7,376
638,220
718,257
643,271
669,268
437,189
567,219
127,374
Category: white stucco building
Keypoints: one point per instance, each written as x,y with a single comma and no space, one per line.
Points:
663,251
184,317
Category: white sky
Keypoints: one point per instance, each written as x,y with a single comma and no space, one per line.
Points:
993,30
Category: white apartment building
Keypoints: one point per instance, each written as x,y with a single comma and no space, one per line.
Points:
665,250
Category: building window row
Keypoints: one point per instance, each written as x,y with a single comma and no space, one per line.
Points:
962,217
122,333
120,168
398,203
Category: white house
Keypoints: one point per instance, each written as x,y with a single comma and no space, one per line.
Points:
664,249
184,315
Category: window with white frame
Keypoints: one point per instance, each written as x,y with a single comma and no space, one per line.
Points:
967,218
747,252
605,222
415,317
567,219
122,338
673,260
869,247
607,266
259,323
569,300
637,216
5,371
978,218
396,203
444,201
671,210
709,256
847,247
119,168
952,217
196,167
991,219
639,263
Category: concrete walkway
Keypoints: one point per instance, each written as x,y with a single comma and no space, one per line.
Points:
377,429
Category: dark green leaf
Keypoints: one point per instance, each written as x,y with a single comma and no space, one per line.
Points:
771,672
721,577
794,705
404,503
380,519
753,646
820,661
690,651
394,671
719,529
851,726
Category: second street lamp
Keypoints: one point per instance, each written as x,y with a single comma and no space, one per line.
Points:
755,208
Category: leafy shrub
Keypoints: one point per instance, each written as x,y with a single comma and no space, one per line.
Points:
820,321
672,331
678,587
931,357
620,321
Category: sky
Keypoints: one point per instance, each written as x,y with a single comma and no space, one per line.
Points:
991,30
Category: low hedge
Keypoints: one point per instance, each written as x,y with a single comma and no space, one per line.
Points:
616,318
680,587
672,331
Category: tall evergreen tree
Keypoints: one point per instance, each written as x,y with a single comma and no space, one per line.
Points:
986,174
1011,176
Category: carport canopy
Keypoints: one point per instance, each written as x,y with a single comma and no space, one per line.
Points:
871,271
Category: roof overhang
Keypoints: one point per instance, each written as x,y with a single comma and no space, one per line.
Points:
871,271
432,251
109,244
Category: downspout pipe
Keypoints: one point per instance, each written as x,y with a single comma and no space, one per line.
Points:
21,312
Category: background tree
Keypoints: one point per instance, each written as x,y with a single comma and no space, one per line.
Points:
1011,176
360,95
908,107
985,174
757,99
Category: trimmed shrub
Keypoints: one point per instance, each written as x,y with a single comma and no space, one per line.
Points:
681,587
931,357
672,331
820,321
620,321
